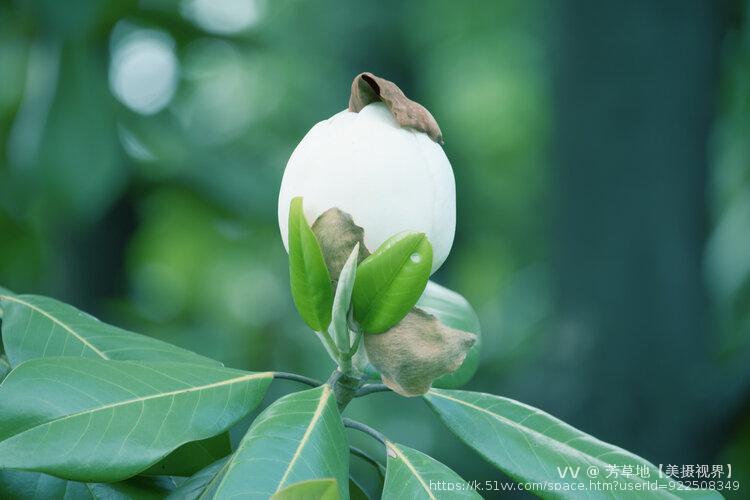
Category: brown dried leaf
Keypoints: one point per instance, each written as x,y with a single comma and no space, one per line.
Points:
337,234
368,88
416,351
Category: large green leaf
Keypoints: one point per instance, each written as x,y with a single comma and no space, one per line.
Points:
298,437
312,489
412,474
453,310
38,327
390,281
22,485
192,457
532,446
309,276
96,420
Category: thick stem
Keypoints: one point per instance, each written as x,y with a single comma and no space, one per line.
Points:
345,387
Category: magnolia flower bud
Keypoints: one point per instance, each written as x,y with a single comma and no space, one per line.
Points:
389,178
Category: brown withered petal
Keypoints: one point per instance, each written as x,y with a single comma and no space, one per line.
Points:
337,234
416,351
367,88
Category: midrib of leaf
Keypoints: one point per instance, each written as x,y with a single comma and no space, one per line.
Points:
405,460
390,280
57,321
556,444
236,380
305,437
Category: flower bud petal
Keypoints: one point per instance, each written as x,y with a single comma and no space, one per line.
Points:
390,179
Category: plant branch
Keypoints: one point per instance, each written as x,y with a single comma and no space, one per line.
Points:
353,424
372,388
298,378
367,458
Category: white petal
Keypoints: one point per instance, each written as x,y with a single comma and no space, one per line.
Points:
390,179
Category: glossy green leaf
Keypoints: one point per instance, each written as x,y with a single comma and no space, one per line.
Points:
414,475
22,485
99,420
312,489
310,280
390,281
195,486
532,446
297,438
39,327
453,310
192,457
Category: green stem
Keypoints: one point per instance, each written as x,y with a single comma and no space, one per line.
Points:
329,345
359,426
344,386
298,378
371,388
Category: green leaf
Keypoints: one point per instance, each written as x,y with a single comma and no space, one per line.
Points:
298,437
356,492
96,420
194,487
532,446
4,367
310,280
342,301
453,310
39,327
22,485
412,474
313,489
192,457
390,281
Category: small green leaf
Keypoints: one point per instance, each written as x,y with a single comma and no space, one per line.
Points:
532,446
297,438
342,301
22,485
414,475
390,281
41,327
313,489
310,280
97,420
453,310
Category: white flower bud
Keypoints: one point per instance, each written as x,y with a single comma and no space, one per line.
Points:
388,178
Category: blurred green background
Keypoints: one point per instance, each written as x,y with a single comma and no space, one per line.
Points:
602,159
